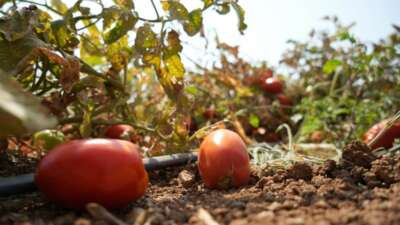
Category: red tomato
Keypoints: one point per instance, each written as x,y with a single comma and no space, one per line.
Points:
119,131
284,100
223,160
272,85
387,139
271,137
106,171
317,136
266,75
209,113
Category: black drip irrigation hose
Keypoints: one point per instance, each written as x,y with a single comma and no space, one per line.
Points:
25,183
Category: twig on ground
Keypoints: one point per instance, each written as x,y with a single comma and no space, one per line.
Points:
100,213
206,217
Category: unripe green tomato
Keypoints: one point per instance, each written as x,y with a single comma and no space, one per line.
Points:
48,139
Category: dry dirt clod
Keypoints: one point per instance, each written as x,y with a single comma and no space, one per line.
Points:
300,170
186,178
357,153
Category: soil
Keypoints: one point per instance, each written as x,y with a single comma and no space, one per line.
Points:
361,189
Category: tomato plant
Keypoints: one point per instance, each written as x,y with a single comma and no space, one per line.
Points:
48,139
106,171
223,160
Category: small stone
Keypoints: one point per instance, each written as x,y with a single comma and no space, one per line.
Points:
186,178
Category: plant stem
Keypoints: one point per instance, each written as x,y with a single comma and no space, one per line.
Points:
155,9
43,5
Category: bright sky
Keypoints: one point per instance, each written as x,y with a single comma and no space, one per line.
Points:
272,22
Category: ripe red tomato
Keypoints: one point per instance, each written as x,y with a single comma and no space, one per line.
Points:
209,113
119,131
387,139
272,85
284,100
223,160
317,136
106,171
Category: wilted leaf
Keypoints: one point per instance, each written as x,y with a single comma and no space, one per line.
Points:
152,59
172,75
110,15
11,53
240,12
85,129
128,4
69,73
207,3
174,44
195,22
174,67
331,65
59,6
125,23
19,24
176,10
254,120
119,54
20,112
62,35
223,8
146,39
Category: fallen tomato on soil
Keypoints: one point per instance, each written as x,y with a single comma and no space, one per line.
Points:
119,131
223,160
106,171
387,139
48,139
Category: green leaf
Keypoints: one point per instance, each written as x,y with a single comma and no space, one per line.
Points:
127,4
125,23
254,120
346,36
192,90
146,40
240,12
195,22
20,112
59,6
176,10
331,65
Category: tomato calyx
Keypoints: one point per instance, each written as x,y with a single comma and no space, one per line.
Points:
225,183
